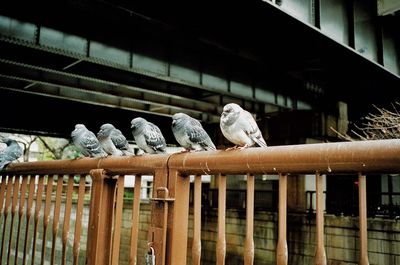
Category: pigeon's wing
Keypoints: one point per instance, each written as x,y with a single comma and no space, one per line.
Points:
154,137
118,139
89,142
198,135
9,154
250,127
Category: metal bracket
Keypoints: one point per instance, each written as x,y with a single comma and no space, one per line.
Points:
164,198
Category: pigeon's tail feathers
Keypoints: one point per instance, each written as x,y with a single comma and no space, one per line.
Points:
260,140
99,153
128,152
3,164
210,148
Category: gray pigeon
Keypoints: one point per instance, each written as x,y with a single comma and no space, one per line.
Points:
113,141
148,136
189,133
11,153
87,142
239,127
121,143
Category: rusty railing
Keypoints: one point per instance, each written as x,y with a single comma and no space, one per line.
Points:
25,183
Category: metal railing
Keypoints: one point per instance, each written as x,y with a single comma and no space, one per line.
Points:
168,232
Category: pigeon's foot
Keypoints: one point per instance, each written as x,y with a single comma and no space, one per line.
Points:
243,147
231,148
184,151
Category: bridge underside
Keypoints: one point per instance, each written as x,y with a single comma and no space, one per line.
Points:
111,61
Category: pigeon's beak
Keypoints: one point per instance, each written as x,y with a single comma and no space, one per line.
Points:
173,122
132,126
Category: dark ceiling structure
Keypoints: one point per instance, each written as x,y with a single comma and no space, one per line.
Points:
68,62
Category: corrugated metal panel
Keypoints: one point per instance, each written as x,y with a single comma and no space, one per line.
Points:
386,7
216,82
300,9
62,40
109,53
364,29
241,89
334,20
15,28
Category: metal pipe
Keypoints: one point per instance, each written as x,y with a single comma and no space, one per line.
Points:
381,156
344,157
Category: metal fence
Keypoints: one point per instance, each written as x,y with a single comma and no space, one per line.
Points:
25,184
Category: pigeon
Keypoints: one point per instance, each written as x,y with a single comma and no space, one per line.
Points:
113,141
239,127
11,153
148,136
121,143
87,142
189,133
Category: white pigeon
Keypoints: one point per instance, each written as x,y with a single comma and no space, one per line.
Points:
87,142
239,127
11,153
148,136
190,134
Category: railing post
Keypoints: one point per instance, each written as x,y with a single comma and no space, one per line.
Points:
362,197
101,218
249,243
320,256
281,250
157,224
179,186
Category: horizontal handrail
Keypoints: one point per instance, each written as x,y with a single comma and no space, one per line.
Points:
344,157
145,164
378,156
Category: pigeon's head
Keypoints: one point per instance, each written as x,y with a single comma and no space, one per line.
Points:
79,126
230,113
105,129
137,124
8,141
178,118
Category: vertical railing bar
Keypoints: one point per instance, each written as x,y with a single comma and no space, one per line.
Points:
13,212
56,218
67,218
362,197
221,243
2,192
6,209
78,219
118,220
46,215
37,214
164,230
135,220
281,250
249,244
32,186
320,255
20,213
196,244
